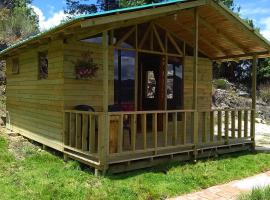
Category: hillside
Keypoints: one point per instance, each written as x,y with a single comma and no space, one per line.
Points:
228,95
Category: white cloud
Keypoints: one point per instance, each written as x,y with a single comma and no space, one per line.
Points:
54,20
266,30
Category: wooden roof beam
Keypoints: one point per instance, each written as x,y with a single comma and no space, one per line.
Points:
246,55
158,38
225,36
155,12
211,45
240,24
126,36
183,40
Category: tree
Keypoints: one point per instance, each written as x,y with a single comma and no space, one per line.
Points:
77,7
131,3
17,21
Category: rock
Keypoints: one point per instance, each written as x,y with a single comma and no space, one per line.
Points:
243,94
3,121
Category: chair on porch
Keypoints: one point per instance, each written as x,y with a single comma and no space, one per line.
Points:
126,118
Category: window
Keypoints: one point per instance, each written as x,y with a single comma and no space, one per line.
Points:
96,39
174,83
15,66
43,65
124,79
151,85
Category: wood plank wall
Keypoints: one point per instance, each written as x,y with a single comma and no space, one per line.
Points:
204,83
204,89
36,106
86,92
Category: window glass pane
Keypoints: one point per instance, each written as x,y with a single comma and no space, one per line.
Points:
170,81
97,39
174,83
151,85
124,79
43,65
15,66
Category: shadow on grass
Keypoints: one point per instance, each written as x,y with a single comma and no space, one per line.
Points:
165,168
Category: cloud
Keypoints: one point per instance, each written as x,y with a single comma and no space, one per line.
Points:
266,30
54,20
255,11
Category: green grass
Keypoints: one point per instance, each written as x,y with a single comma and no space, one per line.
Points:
257,194
45,176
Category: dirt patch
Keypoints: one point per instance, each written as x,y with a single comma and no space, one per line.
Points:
19,146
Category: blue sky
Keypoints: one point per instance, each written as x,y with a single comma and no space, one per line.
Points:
51,12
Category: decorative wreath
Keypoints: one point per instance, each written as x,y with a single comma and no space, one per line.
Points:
85,68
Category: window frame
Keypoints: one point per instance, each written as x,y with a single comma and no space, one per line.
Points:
40,75
15,61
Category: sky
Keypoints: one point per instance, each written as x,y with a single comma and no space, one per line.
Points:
51,13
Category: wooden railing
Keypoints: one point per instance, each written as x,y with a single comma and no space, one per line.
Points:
149,131
81,131
225,125
121,136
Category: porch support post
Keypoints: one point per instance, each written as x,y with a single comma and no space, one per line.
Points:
254,93
195,81
104,119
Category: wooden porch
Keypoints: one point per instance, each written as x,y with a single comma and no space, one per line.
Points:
137,137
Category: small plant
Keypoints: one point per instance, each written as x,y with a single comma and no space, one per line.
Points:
257,194
265,92
85,68
221,84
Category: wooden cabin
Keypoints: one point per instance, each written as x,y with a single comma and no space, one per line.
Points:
132,88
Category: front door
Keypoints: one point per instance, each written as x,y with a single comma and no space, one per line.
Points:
151,93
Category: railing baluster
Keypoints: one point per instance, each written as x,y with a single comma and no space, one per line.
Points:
144,129
204,126
219,125
165,128
174,139
92,133
245,123
252,125
78,131
155,132
233,124
184,133
133,131
66,128
84,132
212,125
72,130
227,126
120,134
239,124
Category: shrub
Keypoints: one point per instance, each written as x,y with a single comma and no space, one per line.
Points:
265,92
221,84
257,194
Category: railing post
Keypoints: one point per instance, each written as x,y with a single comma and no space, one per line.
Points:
195,81
254,93
103,140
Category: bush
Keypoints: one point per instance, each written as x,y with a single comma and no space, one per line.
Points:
257,194
265,92
221,84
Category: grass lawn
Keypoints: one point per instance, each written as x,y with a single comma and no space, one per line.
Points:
42,175
257,194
